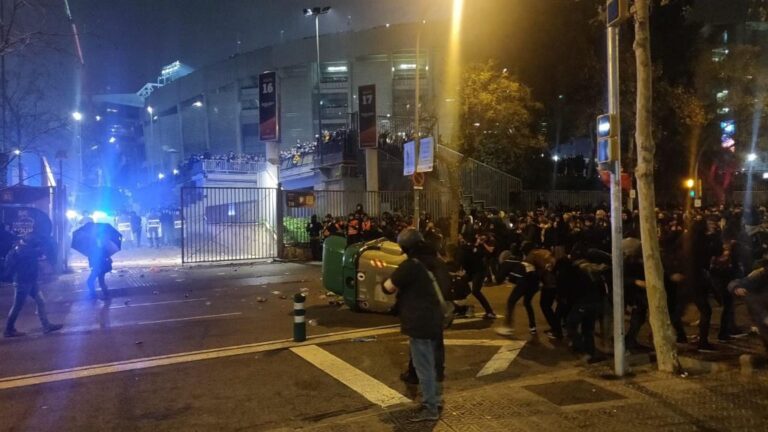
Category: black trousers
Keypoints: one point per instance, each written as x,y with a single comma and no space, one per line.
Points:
702,286
553,316
316,246
581,327
525,292
477,286
720,282
757,305
675,311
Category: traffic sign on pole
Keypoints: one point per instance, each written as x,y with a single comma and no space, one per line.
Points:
616,11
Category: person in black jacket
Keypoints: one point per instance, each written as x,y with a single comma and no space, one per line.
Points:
754,290
526,279
314,229
421,315
21,264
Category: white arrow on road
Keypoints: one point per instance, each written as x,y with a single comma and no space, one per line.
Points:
508,351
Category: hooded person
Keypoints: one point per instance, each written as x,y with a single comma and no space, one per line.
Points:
21,265
416,282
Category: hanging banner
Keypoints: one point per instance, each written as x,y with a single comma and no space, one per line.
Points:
367,119
426,155
409,159
268,115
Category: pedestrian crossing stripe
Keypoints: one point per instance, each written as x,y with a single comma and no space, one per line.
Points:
357,380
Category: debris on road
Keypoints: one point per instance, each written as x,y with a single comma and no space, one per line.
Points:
304,290
312,322
283,297
276,292
364,339
261,299
138,342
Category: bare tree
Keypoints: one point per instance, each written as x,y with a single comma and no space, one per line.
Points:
663,335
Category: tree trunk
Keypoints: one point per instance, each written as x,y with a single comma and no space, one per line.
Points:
663,334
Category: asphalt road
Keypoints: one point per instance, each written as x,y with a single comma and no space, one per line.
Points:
195,349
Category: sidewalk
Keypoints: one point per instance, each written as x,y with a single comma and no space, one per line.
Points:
585,399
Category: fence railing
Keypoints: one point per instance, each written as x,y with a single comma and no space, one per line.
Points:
212,165
437,205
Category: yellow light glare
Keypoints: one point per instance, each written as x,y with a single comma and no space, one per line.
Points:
690,183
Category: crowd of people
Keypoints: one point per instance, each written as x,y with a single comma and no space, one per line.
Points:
300,149
190,164
714,254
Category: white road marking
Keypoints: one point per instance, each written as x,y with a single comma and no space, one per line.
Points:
189,318
502,359
170,359
188,357
130,305
364,384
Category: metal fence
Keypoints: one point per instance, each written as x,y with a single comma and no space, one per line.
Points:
228,224
341,203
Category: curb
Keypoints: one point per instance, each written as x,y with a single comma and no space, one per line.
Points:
748,363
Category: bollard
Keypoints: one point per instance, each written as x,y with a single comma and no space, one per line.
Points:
299,323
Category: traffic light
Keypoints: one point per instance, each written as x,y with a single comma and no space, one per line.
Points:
607,138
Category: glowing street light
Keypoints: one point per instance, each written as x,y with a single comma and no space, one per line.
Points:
150,110
555,158
16,152
160,176
690,183
112,140
197,104
751,157
77,116
175,171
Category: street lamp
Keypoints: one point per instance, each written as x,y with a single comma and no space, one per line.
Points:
316,12
77,116
751,157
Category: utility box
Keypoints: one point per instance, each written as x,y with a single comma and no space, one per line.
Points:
358,273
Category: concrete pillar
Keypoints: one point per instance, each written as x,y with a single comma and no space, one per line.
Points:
372,181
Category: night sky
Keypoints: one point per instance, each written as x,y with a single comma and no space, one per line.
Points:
126,42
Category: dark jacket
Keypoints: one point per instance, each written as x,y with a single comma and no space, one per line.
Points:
421,316
21,263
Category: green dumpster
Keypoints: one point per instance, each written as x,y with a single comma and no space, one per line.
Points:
358,273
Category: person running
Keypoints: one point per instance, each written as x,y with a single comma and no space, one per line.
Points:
526,279
21,265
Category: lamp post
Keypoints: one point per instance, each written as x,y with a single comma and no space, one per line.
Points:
17,153
316,12
77,116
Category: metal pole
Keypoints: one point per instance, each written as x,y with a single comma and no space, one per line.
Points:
417,140
617,256
18,163
319,74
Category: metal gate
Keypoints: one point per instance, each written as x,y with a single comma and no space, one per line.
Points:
228,224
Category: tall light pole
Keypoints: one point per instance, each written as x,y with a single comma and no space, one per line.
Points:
77,116
316,12
17,153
